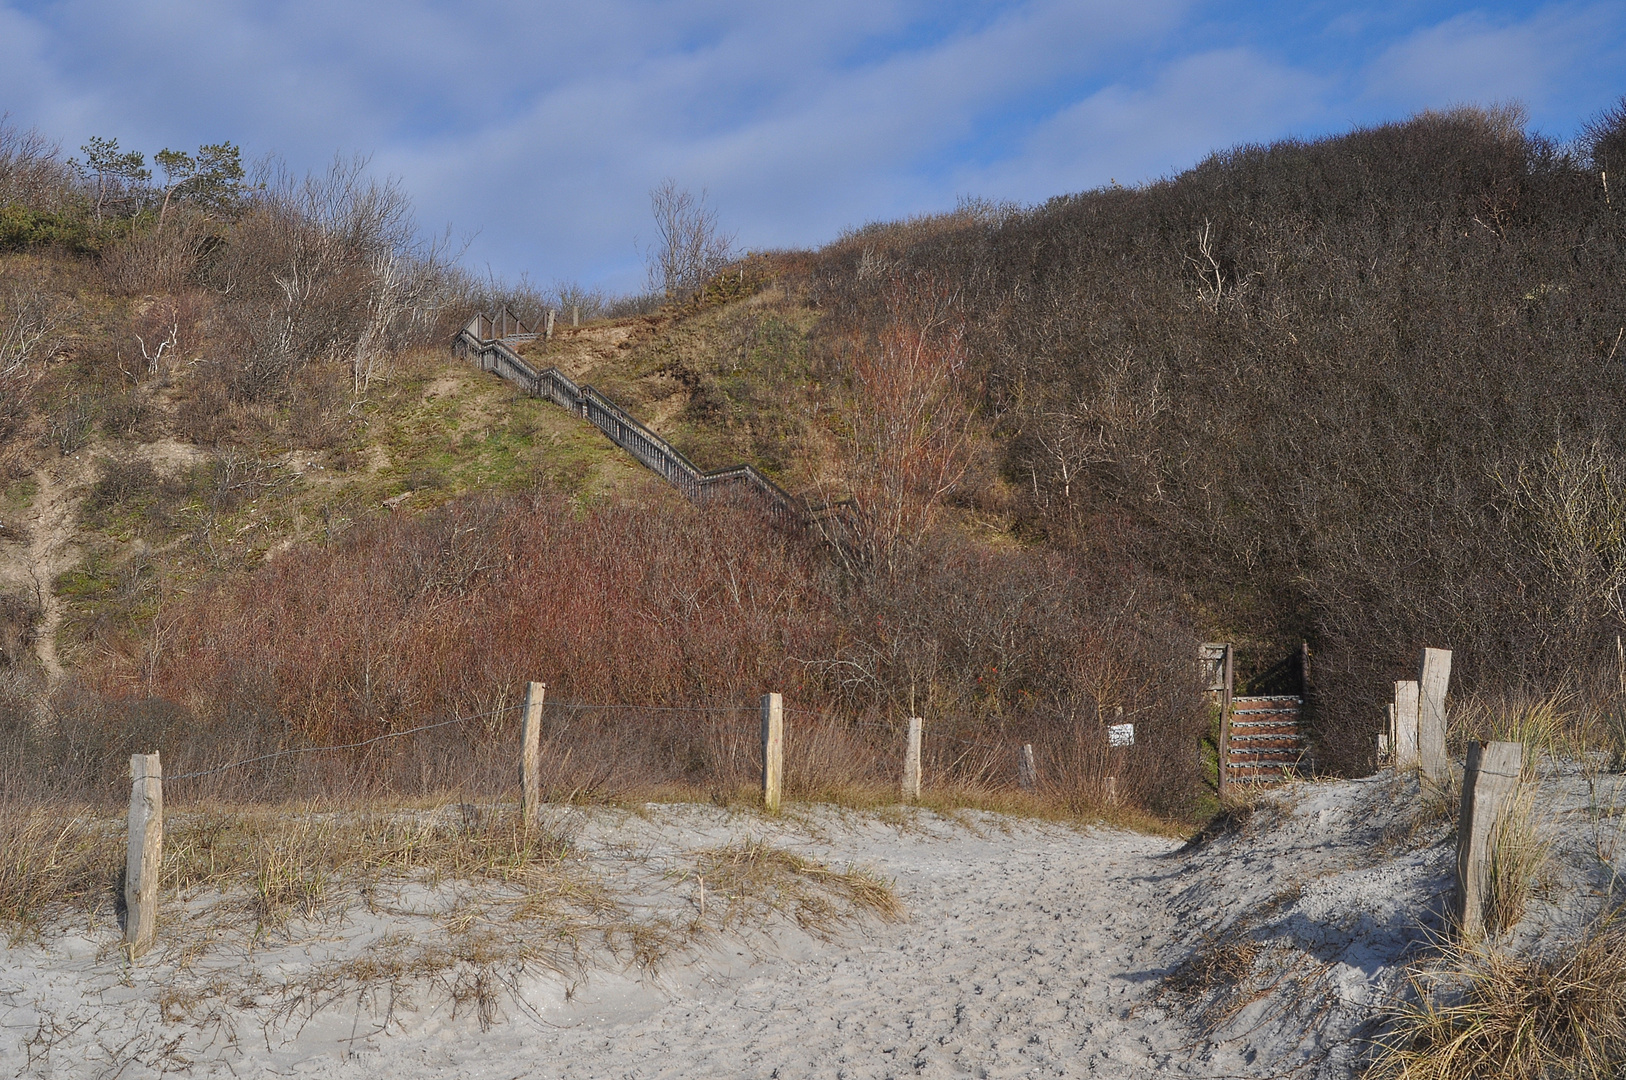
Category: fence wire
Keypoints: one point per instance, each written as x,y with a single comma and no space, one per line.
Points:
582,706
342,746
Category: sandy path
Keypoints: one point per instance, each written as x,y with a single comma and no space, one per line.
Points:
1025,948
51,522
1023,952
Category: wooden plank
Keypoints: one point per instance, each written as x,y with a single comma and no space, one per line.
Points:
773,750
1432,686
1489,783
1227,705
144,854
530,754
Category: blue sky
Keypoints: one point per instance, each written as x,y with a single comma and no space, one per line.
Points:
535,129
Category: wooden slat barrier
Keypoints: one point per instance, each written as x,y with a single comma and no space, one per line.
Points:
1266,742
479,341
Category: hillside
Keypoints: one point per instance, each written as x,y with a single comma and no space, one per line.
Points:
1362,392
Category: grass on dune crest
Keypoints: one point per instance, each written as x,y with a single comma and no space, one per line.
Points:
1481,1012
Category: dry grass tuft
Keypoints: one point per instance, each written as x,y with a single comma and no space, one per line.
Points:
1223,963
49,859
1553,724
471,896
1232,969
1519,856
751,880
1483,1013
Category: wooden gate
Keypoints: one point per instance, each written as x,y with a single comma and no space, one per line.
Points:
1261,733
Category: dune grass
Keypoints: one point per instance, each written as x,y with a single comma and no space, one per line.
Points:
1481,1012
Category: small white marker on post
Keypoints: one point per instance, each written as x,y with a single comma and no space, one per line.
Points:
911,761
530,754
1027,772
145,854
773,750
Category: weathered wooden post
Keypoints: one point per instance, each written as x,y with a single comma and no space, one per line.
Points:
145,854
1027,772
911,761
1112,791
1222,775
1489,783
773,750
547,334
575,314
1436,677
1405,710
530,754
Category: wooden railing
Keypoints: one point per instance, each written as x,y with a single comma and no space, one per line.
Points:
493,354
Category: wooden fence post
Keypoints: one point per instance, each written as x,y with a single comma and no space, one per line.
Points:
1405,710
1027,772
547,334
1112,791
145,854
773,750
911,761
530,754
1436,677
575,314
1222,774
1489,782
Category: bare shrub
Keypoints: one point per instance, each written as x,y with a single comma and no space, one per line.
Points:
1604,139
69,425
909,424
160,259
33,324
19,620
324,268
690,245
32,172
656,634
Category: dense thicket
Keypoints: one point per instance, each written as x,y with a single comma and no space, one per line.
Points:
413,620
1366,390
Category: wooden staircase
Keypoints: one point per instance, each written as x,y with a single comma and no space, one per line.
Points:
487,341
1266,743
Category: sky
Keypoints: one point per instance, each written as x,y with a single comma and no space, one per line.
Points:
533,130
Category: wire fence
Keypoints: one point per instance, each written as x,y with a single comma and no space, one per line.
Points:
294,751
814,736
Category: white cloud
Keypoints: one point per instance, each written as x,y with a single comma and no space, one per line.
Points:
1473,58
1196,104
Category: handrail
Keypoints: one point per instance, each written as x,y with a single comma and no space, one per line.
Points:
493,354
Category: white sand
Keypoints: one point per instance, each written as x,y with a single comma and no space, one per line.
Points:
1029,950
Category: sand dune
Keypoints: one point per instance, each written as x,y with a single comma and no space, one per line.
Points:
1029,949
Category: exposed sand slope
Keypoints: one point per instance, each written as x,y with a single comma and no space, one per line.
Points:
1029,950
